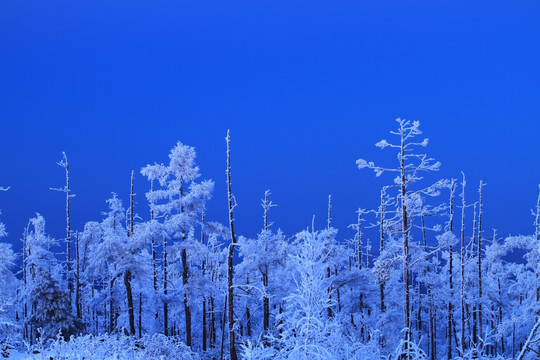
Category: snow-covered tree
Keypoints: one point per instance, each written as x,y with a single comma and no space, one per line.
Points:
50,311
409,169
179,202
8,284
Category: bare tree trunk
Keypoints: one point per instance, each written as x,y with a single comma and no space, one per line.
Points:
129,294
462,260
406,258
67,190
419,317
165,291
154,254
537,233
78,279
230,268
212,334
475,307
264,269
432,350
328,270
187,309
203,268
68,231
25,281
248,322
480,313
185,279
432,340
450,273
501,315
359,251
127,273
223,327
382,214
111,307
140,315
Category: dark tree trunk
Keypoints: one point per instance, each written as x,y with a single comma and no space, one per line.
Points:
187,309
382,215
78,279
165,292
127,273
140,315
479,248
230,268
462,260
450,313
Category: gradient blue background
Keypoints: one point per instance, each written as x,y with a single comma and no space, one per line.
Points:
306,88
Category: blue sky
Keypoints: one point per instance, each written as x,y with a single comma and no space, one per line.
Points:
306,87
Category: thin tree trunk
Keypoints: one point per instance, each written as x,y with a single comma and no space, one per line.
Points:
154,254
475,307
78,279
230,268
140,315
165,291
382,215
328,270
129,294
185,279
450,273
462,260
111,307
406,258
264,270
212,323
359,251
480,312
537,233
25,313
203,268
187,309
127,273
500,314
223,327
67,190
68,231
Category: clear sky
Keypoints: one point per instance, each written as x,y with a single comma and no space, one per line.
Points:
306,87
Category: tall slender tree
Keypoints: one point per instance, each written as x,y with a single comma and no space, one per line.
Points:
462,263
410,165
127,272
479,261
450,273
67,190
230,268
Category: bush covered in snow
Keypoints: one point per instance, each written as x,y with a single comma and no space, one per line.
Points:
114,347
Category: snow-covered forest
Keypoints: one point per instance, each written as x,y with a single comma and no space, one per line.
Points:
172,283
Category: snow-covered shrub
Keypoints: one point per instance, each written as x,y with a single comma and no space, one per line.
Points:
103,347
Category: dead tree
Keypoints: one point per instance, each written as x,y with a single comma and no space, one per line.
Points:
127,273
382,219
67,190
408,170
450,272
462,260
77,278
479,260
266,204
203,269
230,255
